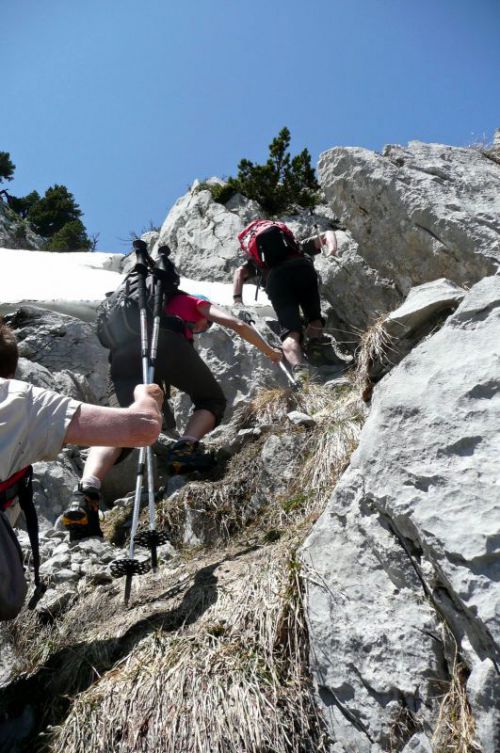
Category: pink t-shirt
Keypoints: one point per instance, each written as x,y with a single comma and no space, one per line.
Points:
186,307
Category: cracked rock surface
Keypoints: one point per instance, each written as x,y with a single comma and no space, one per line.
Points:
409,543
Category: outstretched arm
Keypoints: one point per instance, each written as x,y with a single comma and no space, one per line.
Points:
239,277
244,330
136,426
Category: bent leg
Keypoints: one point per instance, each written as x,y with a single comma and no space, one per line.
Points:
282,293
292,348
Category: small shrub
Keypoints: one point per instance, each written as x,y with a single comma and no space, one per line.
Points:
221,192
20,232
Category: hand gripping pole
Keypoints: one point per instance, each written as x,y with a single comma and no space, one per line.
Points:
247,318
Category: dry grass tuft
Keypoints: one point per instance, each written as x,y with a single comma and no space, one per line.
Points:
267,408
223,507
329,448
243,496
374,355
455,729
237,681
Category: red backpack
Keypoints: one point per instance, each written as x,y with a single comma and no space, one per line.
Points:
268,243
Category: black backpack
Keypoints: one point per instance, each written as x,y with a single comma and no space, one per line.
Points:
118,317
275,246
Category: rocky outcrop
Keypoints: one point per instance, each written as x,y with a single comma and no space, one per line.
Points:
390,339
16,232
66,347
409,542
415,214
202,233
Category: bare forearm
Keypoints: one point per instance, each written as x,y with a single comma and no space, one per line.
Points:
252,336
136,426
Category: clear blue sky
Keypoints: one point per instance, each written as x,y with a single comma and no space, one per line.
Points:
127,102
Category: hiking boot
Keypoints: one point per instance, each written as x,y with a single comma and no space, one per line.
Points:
186,456
320,351
301,374
81,518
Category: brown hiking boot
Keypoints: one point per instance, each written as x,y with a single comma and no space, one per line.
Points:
81,518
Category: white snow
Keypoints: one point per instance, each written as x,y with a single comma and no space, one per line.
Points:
75,282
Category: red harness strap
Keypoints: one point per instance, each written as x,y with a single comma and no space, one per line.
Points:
20,485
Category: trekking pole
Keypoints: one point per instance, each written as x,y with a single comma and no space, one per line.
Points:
293,382
247,318
130,567
153,538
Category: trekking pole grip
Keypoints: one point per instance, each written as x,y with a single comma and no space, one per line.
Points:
141,252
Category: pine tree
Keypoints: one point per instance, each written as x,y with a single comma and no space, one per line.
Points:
22,205
54,210
282,182
71,237
7,167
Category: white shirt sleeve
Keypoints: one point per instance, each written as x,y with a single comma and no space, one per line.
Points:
33,423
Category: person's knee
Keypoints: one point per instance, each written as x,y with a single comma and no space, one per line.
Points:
215,405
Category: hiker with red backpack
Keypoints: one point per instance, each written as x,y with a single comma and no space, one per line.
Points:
34,425
177,364
291,283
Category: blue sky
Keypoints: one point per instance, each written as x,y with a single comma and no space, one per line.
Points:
127,102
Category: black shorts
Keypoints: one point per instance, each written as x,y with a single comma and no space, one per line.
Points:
293,290
177,365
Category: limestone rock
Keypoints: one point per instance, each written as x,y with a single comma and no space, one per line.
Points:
300,419
411,537
415,214
202,235
53,483
424,310
16,232
423,304
63,344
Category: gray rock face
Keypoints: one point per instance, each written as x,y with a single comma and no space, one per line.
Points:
355,292
53,483
423,304
423,311
16,232
202,235
61,344
410,537
65,382
416,214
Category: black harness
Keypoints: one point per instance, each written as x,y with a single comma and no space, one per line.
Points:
20,486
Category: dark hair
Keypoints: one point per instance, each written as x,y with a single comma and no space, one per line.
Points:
8,351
